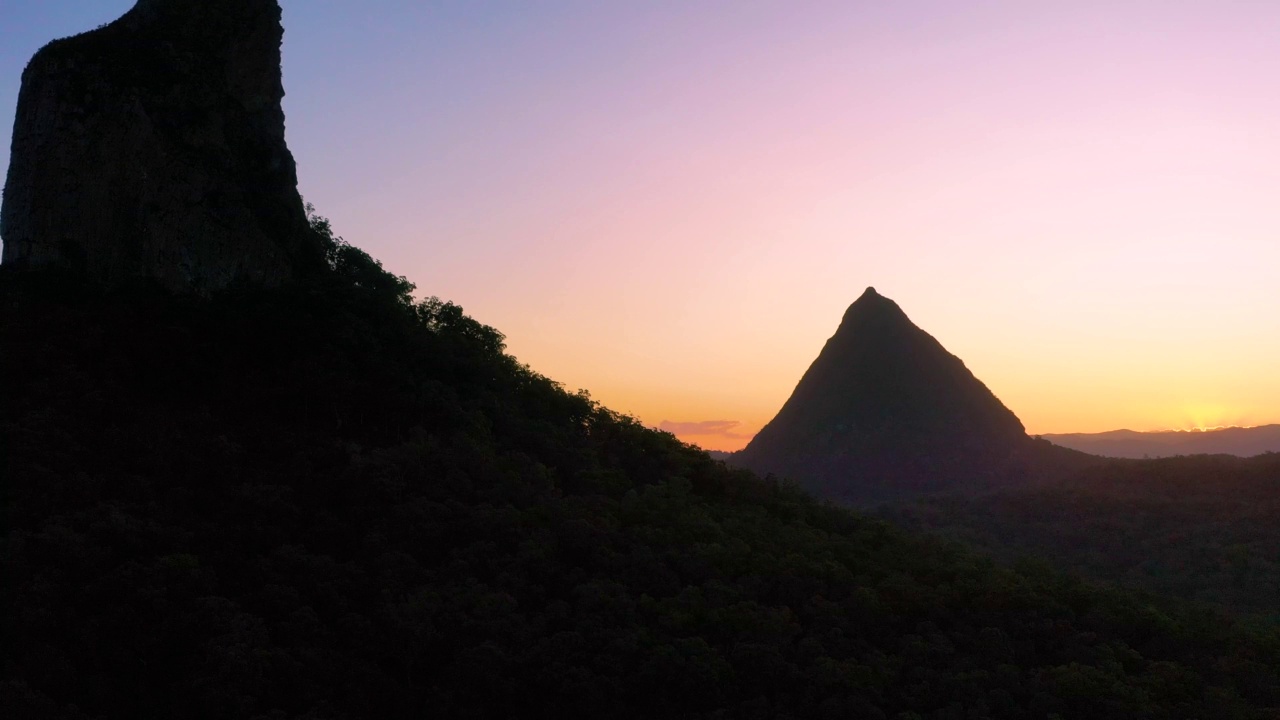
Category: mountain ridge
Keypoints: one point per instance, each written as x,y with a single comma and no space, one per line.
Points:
1240,441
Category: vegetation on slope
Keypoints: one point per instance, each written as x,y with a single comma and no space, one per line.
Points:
326,501
1203,528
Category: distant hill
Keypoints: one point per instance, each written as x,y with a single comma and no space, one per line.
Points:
885,411
1245,442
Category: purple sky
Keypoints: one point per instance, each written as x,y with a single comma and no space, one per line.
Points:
671,204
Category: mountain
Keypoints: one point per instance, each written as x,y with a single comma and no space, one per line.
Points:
153,148
885,411
1245,442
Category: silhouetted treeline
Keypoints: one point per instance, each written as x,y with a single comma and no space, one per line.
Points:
324,501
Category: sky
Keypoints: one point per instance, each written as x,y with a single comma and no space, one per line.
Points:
671,204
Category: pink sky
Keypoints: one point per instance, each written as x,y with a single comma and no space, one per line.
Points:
672,204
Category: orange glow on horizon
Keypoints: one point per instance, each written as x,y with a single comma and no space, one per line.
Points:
675,214
741,436
671,205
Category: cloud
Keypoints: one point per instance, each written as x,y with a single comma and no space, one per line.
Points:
703,428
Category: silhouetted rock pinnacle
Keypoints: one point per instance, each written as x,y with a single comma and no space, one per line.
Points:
154,147
885,411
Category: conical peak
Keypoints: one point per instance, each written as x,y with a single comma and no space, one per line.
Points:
870,297
885,411
871,305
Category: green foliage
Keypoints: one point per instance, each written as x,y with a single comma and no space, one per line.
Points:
326,501
354,266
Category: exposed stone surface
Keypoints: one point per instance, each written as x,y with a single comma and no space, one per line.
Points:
885,412
154,147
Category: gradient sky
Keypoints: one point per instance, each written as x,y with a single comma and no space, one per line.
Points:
671,204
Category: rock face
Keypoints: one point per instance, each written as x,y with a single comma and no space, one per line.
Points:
886,412
153,147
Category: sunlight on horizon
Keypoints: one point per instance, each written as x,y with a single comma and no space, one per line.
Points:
672,204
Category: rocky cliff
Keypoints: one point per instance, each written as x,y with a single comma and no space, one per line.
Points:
154,147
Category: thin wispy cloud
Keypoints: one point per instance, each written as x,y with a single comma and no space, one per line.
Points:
705,428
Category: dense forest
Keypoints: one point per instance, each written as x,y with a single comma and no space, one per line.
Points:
328,501
1203,527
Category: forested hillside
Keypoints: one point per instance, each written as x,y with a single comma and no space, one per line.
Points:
1203,528
325,501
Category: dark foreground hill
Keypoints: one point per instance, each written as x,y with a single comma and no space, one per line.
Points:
886,412
322,501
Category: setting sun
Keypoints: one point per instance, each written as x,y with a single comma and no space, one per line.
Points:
1204,417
